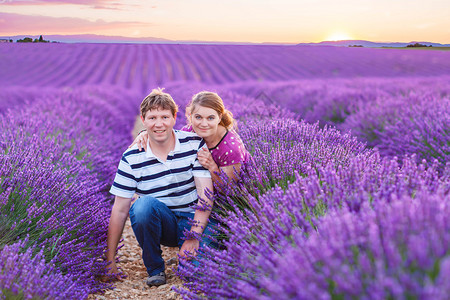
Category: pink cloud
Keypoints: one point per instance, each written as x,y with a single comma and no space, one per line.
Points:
34,2
103,4
25,24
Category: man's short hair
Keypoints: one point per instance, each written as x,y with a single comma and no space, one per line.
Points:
157,99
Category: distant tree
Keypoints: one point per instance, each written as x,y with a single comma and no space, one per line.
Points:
25,40
416,45
355,45
30,40
41,40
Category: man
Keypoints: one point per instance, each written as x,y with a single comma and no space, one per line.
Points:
169,180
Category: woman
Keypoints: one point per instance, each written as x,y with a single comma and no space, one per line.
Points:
207,116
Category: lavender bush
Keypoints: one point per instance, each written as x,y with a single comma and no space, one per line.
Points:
27,276
280,225
281,148
392,251
56,163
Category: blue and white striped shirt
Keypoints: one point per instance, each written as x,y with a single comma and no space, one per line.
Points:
170,181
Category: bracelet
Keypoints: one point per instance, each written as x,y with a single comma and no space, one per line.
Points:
191,235
197,223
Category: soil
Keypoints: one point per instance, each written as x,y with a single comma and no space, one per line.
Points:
131,264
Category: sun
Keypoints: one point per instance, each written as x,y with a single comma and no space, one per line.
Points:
339,36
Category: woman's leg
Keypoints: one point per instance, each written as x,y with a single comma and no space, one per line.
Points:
153,224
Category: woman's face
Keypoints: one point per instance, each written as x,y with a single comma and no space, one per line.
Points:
205,121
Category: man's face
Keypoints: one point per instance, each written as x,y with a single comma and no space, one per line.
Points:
159,124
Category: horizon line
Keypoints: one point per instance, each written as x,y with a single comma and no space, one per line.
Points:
128,39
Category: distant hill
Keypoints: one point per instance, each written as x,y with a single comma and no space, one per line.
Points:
91,38
94,38
369,44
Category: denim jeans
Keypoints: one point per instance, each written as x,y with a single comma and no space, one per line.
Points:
154,224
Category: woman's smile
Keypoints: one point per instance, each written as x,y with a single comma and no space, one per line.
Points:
205,120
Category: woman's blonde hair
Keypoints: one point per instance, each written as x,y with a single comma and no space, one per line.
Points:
211,100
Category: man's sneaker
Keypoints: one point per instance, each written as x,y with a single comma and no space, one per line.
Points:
156,280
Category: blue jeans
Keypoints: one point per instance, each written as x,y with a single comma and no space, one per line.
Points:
154,224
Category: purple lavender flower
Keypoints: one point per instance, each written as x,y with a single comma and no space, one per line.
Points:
29,276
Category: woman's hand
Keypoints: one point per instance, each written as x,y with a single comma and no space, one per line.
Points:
141,141
189,247
206,160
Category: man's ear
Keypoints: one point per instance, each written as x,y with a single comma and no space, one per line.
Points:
142,119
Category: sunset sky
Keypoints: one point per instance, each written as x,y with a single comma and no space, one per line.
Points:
279,21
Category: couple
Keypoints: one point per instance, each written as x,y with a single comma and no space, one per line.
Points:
170,176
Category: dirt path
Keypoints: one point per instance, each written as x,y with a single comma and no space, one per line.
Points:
134,286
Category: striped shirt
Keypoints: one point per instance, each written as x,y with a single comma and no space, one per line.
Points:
170,181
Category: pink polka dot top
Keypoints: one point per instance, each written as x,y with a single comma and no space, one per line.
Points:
229,151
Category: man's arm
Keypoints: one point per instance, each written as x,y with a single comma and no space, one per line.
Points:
201,216
119,215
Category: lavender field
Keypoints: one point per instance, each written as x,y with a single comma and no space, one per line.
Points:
347,195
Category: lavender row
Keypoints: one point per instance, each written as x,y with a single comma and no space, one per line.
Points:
144,66
58,156
398,116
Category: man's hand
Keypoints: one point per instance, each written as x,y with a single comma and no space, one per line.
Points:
141,141
119,215
113,268
113,273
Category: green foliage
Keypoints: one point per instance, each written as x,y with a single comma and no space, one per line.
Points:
30,40
25,40
10,295
417,45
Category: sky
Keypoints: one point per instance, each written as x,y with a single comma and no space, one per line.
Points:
277,21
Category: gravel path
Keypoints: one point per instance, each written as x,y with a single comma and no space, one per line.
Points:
134,286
